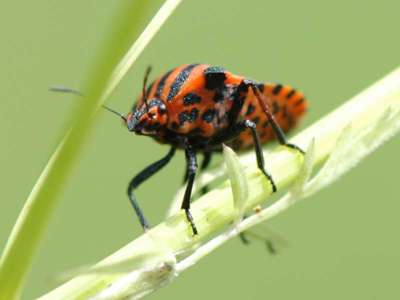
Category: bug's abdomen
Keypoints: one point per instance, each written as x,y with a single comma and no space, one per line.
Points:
286,104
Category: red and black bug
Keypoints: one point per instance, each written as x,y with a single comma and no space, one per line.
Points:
198,107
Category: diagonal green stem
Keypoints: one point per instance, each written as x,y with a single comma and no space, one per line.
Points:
35,216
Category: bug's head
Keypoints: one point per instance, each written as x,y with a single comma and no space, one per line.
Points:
148,118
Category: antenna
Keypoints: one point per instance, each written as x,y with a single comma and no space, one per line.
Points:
66,90
114,112
144,96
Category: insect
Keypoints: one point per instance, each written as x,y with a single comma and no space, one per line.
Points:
197,107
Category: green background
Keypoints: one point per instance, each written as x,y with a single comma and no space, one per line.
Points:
343,242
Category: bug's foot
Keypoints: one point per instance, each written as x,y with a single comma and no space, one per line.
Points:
146,226
143,222
270,245
269,177
190,219
295,147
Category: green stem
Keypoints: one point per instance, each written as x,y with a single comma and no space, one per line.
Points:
215,210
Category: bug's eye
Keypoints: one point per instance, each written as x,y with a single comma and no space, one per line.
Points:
151,115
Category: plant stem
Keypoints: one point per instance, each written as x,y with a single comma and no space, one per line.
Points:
215,211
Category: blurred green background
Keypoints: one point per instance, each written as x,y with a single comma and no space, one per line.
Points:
343,243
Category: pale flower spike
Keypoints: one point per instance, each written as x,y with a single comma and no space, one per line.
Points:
239,184
352,147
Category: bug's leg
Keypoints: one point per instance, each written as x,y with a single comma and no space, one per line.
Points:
269,243
191,164
247,124
142,176
280,135
204,164
259,153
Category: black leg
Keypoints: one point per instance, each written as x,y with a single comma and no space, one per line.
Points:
259,152
234,131
204,164
191,163
247,124
142,176
269,244
280,135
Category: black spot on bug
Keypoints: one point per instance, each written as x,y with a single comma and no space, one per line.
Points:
260,87
275,107
250,109
183,117
215,77
175,125
179,81
191,98
188,116
265,124
291,93
238,95
209,115
299,102
256,120
277,89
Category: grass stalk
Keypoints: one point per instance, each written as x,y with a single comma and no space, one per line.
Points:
35,216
